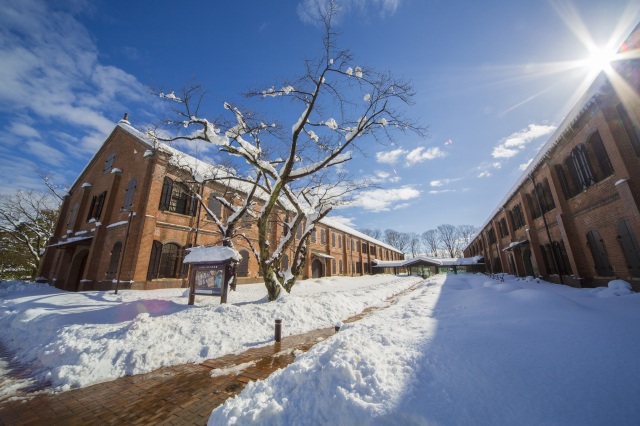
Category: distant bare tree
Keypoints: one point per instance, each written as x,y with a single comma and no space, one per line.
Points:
415,244
466,234
373,233
399,240
430,242
27,219
448,238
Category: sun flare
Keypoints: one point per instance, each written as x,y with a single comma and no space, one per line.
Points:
599,60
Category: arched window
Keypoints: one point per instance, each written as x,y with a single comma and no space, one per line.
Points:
630,127
504,230
546,195
567,189
154,260
339,241
285,262
630,247
583,177
129,193
533,205
112,271
600,153
169,260
333,266
547,256
313,236
323,237
176,197
340,264
563,259
97,203
333,239
600,259
215,206
243,266
497,265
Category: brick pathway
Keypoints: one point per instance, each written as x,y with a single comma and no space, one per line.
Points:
179,395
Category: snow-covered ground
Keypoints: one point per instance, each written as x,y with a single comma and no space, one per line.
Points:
76,339
461,350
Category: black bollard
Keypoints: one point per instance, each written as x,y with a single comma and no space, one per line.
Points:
337,328
278,330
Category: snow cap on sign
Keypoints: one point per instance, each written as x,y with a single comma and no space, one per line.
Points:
211,254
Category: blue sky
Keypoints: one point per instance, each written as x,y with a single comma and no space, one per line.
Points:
493,77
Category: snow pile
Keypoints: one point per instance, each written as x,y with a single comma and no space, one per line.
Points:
462,349
76,339
613,289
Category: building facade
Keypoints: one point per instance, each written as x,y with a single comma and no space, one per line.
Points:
132,212
573,216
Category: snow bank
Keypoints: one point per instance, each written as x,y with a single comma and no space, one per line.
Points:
76,339
462,349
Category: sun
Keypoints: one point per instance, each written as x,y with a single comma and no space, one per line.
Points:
599,60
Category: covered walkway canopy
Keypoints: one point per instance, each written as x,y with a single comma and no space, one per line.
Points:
475,264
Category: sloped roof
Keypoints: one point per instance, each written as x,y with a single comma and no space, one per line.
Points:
204,169
431,261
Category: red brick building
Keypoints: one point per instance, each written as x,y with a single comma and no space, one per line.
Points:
129,174
573,216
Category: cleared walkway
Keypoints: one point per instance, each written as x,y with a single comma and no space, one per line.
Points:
179,395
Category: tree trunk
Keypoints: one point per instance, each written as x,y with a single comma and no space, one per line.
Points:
272,284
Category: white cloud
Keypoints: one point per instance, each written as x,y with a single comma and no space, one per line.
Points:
442,182
524,166
395,179
309,10
51,69
485,168
382,175
441,191
390,157
401,206
378,200
52,78
421,154
515,142
21,129
45,152
347,221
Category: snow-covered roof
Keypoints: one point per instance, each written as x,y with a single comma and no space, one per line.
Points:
344,228
457,261
211,254
203,170
587,100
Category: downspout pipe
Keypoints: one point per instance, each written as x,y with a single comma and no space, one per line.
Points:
546,227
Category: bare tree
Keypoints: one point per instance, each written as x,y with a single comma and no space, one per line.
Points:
430,242
466,234
27,219
337,102
448,238
415,244
373,233
399,240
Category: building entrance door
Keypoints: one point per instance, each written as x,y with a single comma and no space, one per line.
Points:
317,270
